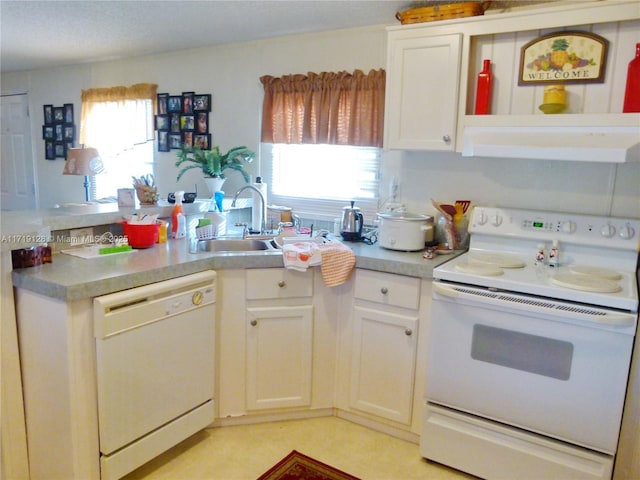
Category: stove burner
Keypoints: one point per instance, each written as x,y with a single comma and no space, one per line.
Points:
585,283
480,269
595,272
497,259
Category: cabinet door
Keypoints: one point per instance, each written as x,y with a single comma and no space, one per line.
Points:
422,91
383,363
279,352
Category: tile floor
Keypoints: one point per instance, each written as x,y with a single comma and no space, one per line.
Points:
245,452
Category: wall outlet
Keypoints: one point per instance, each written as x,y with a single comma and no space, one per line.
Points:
80,236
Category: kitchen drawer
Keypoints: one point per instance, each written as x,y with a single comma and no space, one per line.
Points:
388,289
267,283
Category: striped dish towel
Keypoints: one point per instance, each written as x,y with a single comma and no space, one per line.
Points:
338,261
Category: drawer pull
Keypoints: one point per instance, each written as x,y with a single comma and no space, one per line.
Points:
282,283
253,322
446,138
384,290
408,332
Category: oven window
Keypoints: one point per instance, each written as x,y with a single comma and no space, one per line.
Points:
522,351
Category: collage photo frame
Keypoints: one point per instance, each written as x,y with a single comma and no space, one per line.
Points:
183,120
58,131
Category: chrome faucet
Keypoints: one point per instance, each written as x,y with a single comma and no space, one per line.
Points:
263,205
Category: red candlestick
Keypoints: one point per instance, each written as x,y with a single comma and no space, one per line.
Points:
483,90
632,92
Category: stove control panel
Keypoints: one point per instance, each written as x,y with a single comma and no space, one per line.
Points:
574,228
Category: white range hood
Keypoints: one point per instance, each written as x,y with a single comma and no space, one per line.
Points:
617,144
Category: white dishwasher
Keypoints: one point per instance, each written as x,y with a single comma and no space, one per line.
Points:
155,368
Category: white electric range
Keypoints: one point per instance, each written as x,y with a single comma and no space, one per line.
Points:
530,344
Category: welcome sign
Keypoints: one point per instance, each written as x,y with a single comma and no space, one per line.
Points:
563,57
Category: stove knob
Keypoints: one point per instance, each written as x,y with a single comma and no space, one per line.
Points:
482,218
627,232
496,221
608,230
568,227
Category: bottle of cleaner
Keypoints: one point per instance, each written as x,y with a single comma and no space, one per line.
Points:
178,220
554,255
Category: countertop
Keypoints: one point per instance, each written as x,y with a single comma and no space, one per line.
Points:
72,278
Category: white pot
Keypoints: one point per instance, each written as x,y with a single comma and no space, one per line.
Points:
214,184
405,231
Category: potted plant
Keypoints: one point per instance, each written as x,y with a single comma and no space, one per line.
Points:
213,164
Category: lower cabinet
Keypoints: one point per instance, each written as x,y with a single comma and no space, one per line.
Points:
279,354
382,340
383,363
277,349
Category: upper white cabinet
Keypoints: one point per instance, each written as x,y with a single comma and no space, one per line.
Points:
422,90
432,70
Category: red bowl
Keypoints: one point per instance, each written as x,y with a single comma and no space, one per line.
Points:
141,236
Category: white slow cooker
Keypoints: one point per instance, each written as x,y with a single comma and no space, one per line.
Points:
405,231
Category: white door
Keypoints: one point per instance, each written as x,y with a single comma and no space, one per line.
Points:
17,180
279,353
383,363
422,91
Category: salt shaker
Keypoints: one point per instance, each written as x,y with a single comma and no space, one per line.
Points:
541,254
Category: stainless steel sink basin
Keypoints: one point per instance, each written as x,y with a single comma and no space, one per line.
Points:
233,245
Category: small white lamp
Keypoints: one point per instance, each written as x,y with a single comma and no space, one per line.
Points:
83,161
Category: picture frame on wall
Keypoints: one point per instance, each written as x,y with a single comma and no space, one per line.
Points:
68,113
162,122
175,141
67,147
48,114
187,139
163,141
175,123
174,103
187,102
566,57
58,134
187,122
202,141
58,114
69,134
49,150
163,103
47,132
202,122
59,150
202,103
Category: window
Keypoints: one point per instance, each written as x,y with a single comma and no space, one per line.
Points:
323,134
118,122
318,180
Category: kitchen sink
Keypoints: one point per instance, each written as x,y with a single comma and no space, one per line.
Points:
234,245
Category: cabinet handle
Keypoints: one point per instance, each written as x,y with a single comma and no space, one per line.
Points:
384,290
253,322
446,138
282,283
408,332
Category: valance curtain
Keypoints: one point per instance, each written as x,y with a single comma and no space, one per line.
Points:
324,108
117,118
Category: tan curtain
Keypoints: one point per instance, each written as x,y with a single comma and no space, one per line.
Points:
334,108
115,95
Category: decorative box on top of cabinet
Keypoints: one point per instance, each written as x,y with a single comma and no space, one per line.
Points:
500,37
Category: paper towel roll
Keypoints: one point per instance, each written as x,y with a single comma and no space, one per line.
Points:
256,209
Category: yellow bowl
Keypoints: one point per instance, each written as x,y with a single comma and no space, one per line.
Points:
553,107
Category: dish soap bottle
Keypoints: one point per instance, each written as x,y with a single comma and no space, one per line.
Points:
178,220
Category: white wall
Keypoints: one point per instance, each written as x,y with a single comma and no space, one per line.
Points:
231,74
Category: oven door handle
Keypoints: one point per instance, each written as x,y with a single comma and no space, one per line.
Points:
445,290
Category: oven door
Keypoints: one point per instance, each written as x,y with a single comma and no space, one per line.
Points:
554,368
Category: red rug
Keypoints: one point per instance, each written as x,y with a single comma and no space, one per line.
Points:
297,466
